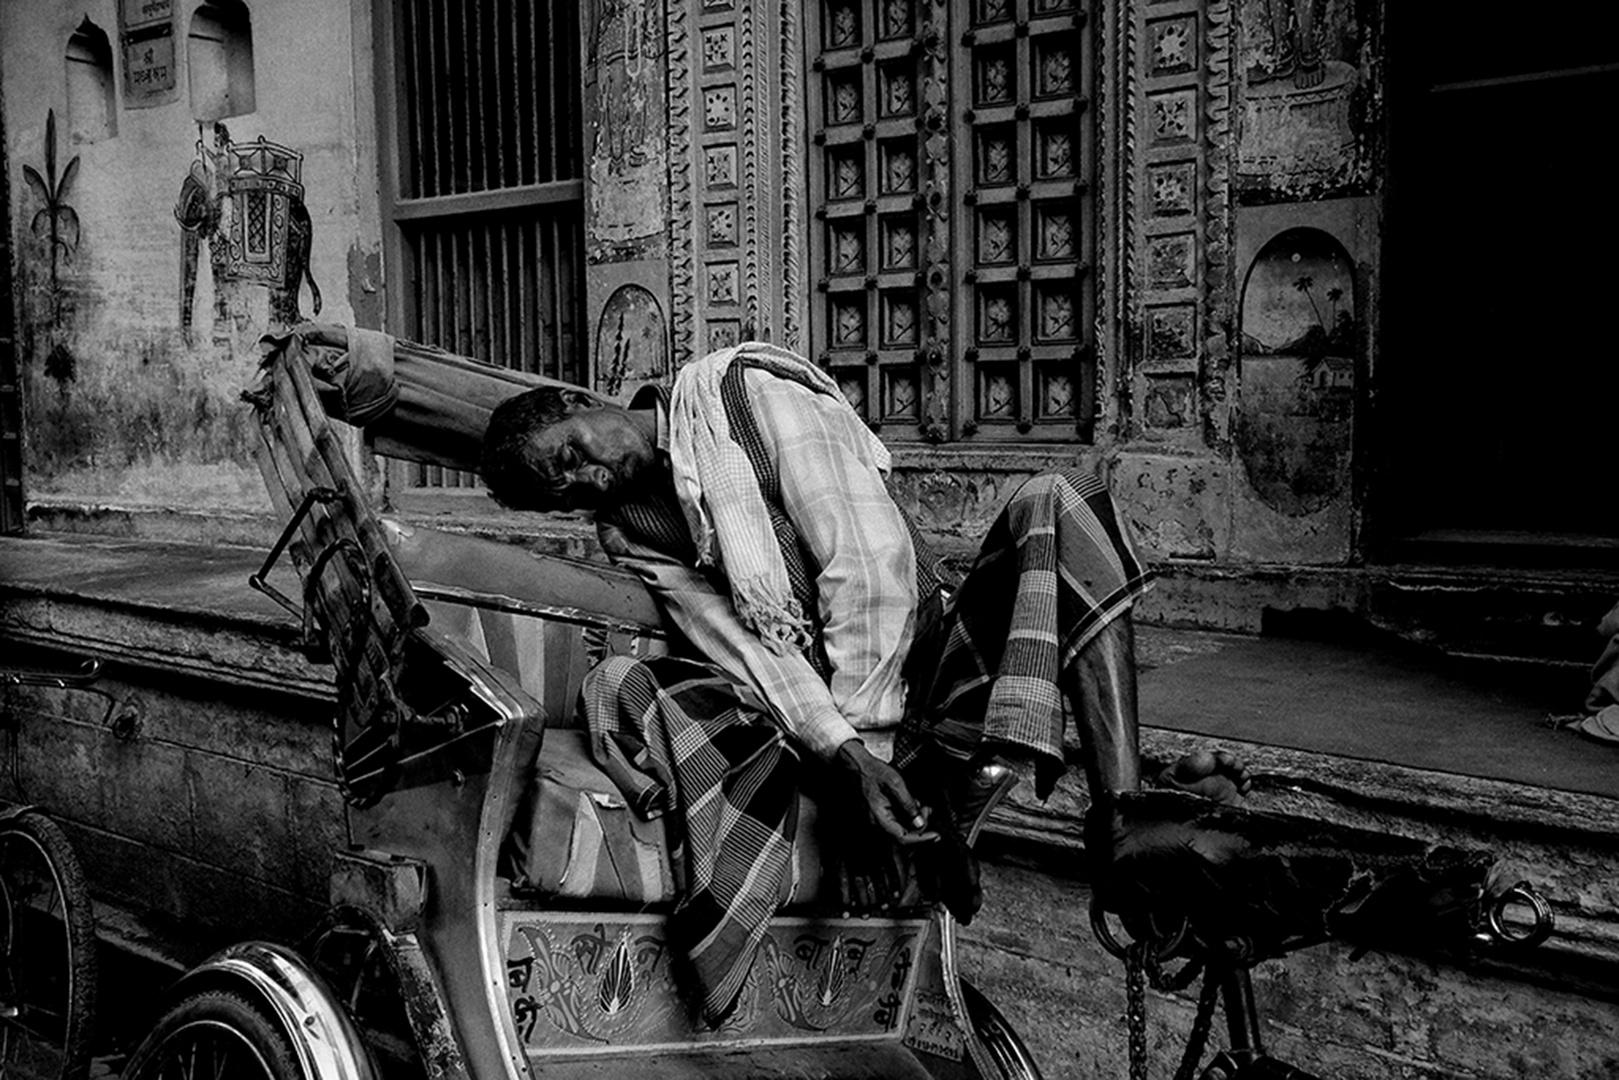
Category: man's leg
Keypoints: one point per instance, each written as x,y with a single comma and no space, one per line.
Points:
1102,693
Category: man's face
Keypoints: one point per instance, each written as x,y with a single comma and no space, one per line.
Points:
593,457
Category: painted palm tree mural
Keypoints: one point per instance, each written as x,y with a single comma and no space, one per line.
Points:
55,222
1299,343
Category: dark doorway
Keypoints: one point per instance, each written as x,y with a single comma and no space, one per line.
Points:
1499,372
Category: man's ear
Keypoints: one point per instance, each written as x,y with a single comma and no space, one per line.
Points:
579,400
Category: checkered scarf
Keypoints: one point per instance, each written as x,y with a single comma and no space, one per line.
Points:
731,780
720,494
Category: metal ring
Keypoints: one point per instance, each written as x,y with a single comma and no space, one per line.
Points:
1521,893
1167,947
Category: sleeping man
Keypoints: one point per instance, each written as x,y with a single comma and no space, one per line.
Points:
752,501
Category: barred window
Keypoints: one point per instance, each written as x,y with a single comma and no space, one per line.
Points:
486,200
950,176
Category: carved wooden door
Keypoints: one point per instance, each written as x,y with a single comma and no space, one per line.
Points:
951,153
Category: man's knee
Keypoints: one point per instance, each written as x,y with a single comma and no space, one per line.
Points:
1043,498
620,678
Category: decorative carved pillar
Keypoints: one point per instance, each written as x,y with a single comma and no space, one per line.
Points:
1177,57
627,193
736,145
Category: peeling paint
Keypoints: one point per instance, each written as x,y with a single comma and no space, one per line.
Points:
365,286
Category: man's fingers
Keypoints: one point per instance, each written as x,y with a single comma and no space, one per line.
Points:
900,795
885,820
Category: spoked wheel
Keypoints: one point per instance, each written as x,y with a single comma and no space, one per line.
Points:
47,954
215,1035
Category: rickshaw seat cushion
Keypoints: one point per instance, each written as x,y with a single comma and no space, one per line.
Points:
575,836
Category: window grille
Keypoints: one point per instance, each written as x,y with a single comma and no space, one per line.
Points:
487,196
954,215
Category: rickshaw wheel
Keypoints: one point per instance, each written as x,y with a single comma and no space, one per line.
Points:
47,953
215,1035
1012,1059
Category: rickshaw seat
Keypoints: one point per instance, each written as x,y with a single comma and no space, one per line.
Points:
573,836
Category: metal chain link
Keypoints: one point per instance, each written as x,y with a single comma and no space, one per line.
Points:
1172,984
1135,1012
1141,963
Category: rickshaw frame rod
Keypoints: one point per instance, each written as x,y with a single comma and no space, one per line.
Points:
321,495
83,679
91,671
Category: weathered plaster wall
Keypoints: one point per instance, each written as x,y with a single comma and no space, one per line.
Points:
121,407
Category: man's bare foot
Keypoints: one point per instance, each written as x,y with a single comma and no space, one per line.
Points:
1213,774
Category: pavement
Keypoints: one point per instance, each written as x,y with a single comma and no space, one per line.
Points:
1347,695
1375,701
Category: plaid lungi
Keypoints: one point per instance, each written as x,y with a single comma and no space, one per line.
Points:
1055,568
729,780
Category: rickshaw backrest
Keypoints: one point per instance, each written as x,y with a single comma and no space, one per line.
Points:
360,612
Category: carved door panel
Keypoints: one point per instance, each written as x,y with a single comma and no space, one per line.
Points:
951,151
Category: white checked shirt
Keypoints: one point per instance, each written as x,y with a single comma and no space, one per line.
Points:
836,498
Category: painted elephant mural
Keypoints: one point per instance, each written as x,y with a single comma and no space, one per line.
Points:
246,203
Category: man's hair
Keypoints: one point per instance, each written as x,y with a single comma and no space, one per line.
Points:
505,465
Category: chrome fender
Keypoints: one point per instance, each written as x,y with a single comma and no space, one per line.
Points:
325,1039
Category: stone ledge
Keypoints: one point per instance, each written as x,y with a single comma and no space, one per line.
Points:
179,608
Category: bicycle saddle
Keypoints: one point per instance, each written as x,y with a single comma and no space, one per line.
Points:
1174,867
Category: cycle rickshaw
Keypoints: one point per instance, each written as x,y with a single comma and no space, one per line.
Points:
502,912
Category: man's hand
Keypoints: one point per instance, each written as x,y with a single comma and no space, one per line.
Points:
889,804
1216,775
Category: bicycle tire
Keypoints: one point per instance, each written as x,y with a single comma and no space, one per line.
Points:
34,988
1006,1048
221,1028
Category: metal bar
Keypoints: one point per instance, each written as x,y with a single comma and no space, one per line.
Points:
514,198
531,97
1528,76
491,291
448,96
428,180
569,43
559,305
544,320
528,257
472,98
504,233
500,92
570,615
433,246
552,98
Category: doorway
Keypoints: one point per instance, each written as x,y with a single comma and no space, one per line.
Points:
1499,372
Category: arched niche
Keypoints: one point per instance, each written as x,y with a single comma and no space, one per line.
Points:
1300,343
219,60
92,104
632,341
